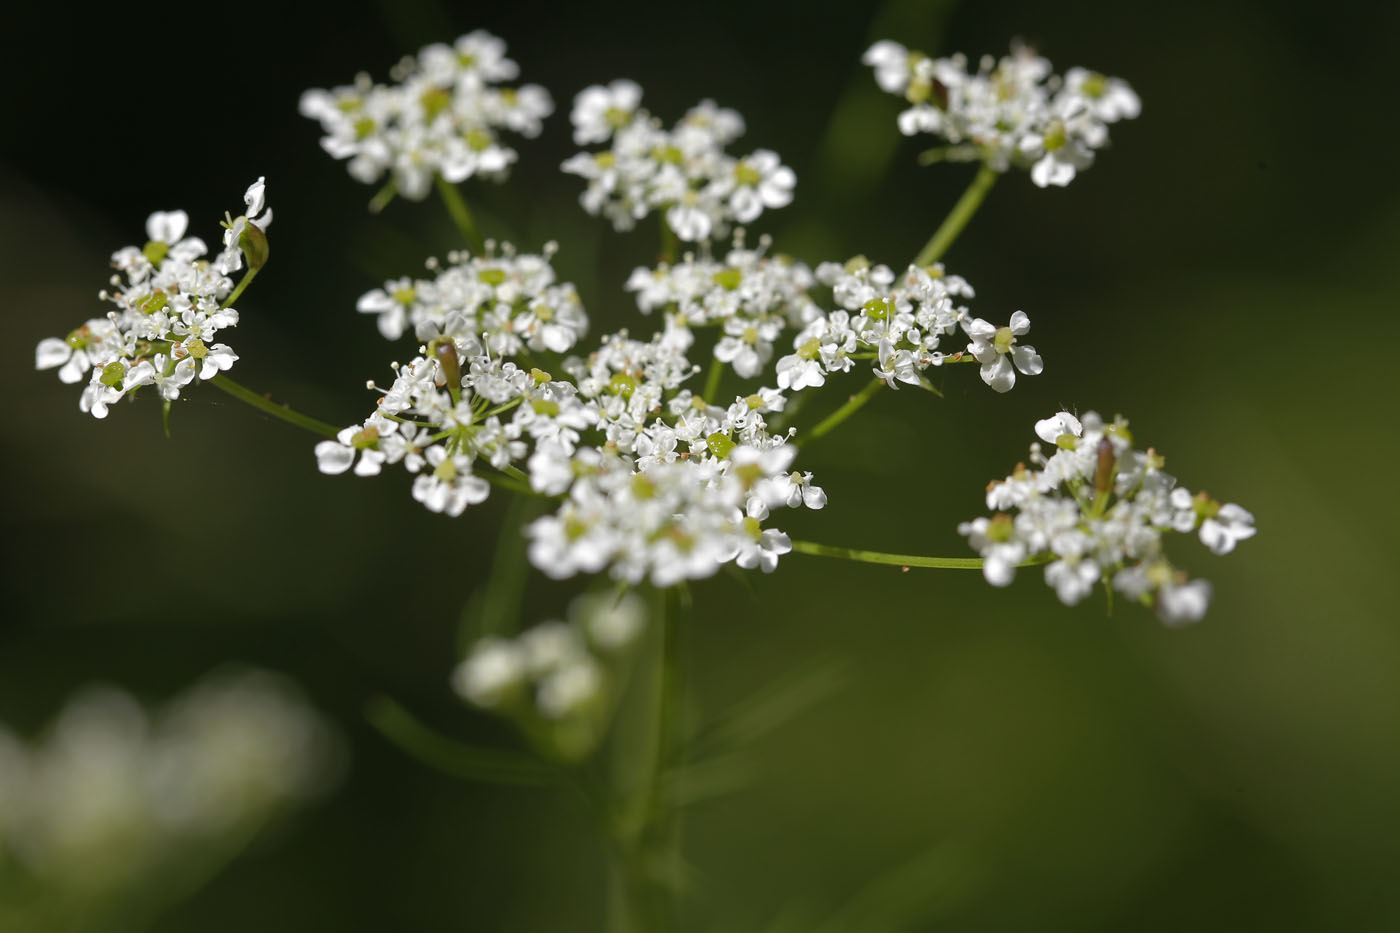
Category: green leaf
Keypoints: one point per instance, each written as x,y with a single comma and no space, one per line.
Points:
771,707
908,898
471,762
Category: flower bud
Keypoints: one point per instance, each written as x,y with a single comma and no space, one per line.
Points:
1104,468
445,352
253,242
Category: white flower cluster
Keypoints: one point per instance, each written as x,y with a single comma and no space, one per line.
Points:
170,305
671,520
683,171
510,302
556,668
1012,112
749,296
442,118
664,484
1098,509
901,322
559,681
112,798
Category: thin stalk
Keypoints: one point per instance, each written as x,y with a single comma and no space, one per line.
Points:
382,197
958,217
268,406
420,741
640,823
238,289
902,560
669,244
512,484
853,405
461,214
712,380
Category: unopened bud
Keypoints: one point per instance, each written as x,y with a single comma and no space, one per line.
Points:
720,445
112,375
1104,468
445,352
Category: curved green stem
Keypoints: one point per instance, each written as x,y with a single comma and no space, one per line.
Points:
902,560
238,289
461,215
268,406
449,756
958,217
853,405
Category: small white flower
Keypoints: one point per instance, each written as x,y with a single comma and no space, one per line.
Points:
451,486
996,348
493,669
1230,525
600,111
891,63
1050,430
1182,603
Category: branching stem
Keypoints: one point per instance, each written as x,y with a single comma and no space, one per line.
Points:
901,560
957,218
268,406
461,214
853,405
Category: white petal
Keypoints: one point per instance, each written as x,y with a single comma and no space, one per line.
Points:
51,352
999,375
255,197
167,226
1027,360
333,457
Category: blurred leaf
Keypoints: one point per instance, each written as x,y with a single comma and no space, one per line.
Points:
771,707
420,741
714,777
907,898
494,607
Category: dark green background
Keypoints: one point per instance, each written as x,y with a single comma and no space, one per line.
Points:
1225,276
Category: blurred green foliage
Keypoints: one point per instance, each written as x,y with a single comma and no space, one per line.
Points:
993,760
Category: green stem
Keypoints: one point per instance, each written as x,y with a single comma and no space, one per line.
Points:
266,405
512,483
461,215
641,822
853,405
669,244
902,560
422,742
958,217
238,289
712,380
383,196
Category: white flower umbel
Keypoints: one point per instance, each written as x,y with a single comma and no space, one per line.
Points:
668,520
442,118
1096,510
112,799
901,322
750,296
558,681
683,172
169,312
1011,112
